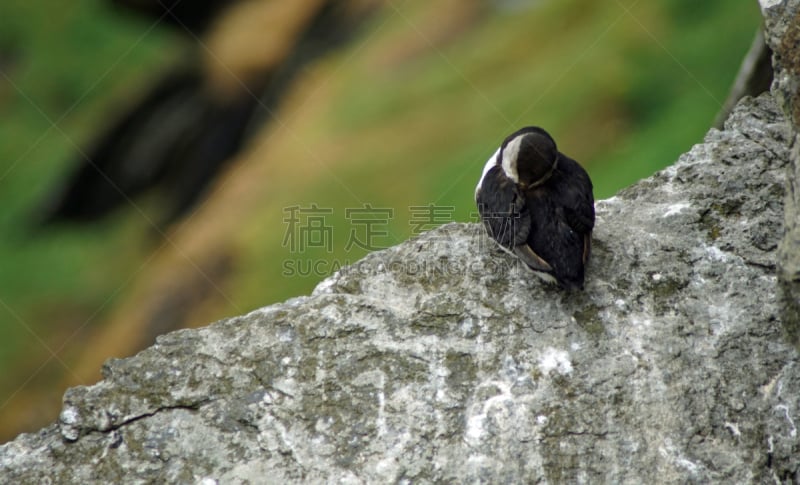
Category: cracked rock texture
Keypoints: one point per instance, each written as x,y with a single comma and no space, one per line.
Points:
444,360
782,25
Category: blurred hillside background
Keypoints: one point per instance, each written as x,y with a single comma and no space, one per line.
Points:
313,137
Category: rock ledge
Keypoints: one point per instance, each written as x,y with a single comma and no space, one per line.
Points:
443,359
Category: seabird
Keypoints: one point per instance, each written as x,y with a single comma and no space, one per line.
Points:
537,203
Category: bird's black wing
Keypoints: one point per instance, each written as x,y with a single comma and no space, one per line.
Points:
574,193
503,209
504,212
578,202
552,238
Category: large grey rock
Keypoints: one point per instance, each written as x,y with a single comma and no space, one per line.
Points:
782,21
444,360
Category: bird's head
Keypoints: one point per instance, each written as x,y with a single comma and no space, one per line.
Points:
529,156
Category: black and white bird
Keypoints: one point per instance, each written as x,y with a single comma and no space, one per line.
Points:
537,203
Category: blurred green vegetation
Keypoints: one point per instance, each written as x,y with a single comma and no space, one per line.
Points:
65,69
624,92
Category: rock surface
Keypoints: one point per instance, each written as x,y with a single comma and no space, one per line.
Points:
444,359
782,22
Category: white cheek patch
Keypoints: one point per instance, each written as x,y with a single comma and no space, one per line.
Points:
510,158
489,164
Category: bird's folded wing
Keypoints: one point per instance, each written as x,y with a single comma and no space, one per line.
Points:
526,254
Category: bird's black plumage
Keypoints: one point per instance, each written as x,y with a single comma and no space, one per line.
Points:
537,203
